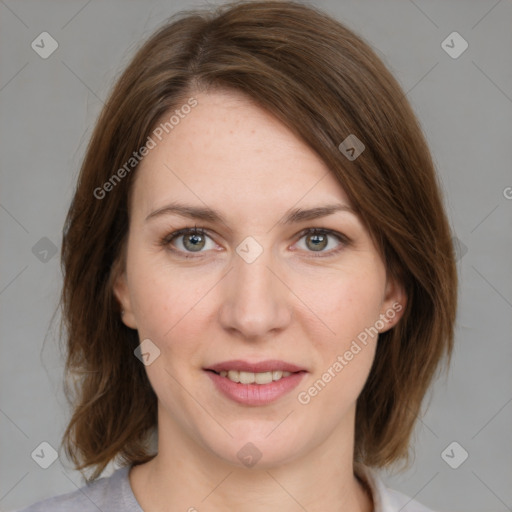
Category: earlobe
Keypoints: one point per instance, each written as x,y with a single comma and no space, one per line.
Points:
121,292
394,304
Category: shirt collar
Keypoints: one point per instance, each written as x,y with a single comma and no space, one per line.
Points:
385,499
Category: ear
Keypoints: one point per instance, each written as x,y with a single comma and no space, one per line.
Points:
393,306
122,294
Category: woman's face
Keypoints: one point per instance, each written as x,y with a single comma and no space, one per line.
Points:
255,294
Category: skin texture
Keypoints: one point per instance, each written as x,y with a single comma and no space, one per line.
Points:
292,303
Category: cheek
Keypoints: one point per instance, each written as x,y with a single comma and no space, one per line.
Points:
350,308
347,303
169,306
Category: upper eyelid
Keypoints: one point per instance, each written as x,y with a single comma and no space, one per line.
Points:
302,233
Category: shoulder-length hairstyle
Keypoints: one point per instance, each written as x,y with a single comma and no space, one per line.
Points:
324,83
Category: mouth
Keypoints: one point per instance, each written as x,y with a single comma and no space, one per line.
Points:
253,378
255,383
262,372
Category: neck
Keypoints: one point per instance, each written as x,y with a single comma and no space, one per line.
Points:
184,476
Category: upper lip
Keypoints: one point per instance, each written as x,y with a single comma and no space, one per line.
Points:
269,365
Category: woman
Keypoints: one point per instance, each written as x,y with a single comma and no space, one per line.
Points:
259,280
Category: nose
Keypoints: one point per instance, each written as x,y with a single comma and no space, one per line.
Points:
256,300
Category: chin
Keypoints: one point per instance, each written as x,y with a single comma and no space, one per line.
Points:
259,448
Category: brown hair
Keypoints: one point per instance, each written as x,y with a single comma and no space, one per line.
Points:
324,83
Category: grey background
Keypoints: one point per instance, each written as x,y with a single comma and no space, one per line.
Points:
465,107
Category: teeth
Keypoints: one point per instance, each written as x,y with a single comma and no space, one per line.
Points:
277,374
262,378
254,378
246,378
232,375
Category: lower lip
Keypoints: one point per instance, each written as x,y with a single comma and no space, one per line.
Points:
256,394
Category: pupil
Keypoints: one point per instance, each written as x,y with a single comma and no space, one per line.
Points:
318,243
195,240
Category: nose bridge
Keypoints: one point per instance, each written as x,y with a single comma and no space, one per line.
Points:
255,300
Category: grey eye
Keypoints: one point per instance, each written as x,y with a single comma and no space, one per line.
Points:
317,241
193,242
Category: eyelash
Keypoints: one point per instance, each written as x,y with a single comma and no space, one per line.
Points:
344,240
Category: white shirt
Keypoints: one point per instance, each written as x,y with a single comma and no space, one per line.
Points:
385,499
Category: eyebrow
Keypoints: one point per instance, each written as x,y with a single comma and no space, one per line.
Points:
209,214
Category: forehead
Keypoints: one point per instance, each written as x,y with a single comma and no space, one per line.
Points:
229,151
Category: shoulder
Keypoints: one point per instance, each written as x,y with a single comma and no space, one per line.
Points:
108,494
388,500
